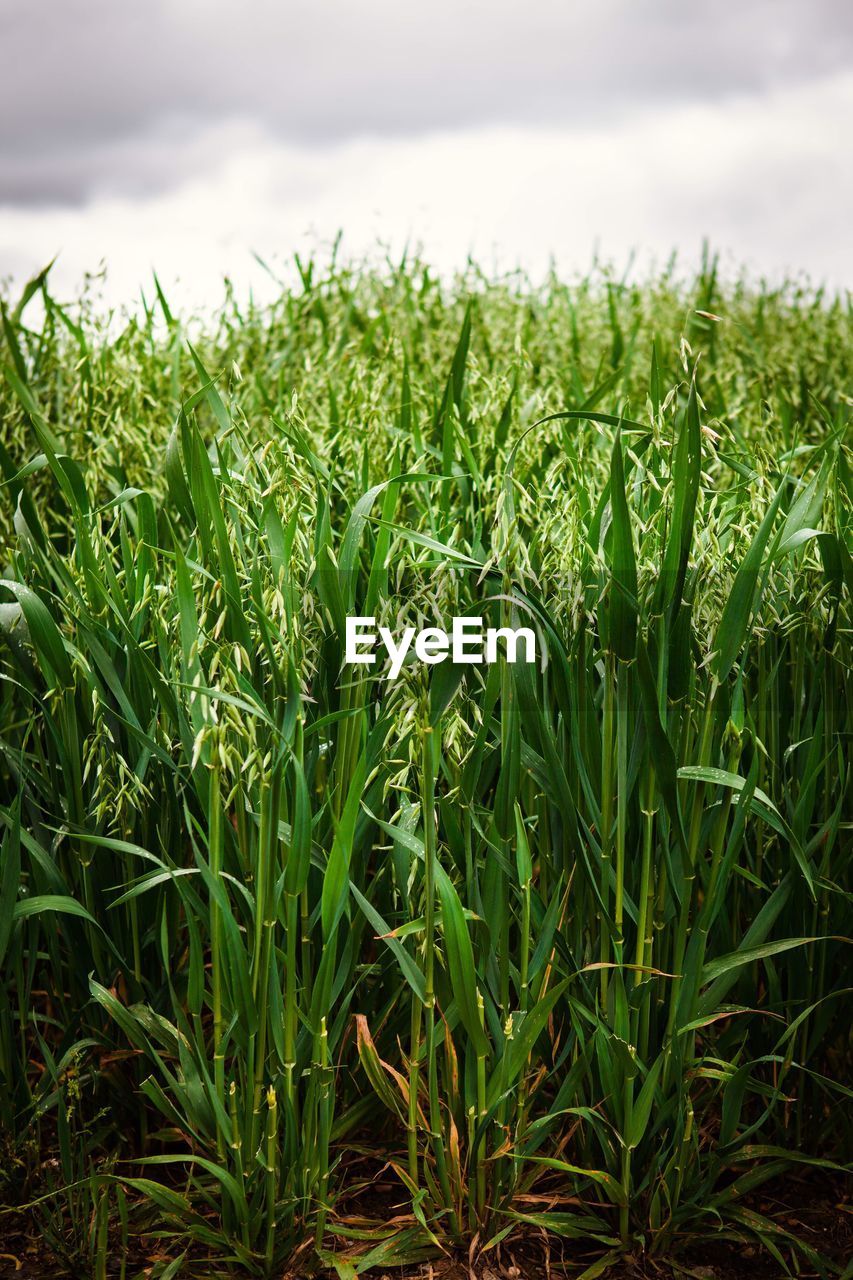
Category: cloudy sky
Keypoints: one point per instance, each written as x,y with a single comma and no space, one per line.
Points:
189,135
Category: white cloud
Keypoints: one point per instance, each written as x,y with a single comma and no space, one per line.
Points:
767,178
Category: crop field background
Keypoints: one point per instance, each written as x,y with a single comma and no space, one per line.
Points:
510,970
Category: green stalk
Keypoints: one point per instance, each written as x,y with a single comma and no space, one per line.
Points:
414,1074
215,849
435,1122
644,949
264,924
237,1150
324,1130
271,1176
625,1173
621,803
607,783
689,879
291,1011
481,1118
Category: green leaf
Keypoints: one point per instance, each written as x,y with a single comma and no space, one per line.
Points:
735,620
622,599
643,1104
39,904
686,473
10,876
760,803
460,960
748,955
44,634
336,878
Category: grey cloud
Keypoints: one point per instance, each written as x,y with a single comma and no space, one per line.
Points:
144,161
105,97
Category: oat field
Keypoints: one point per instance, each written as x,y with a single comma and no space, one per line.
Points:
306,970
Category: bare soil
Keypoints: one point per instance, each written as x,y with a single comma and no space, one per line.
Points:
817,1210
